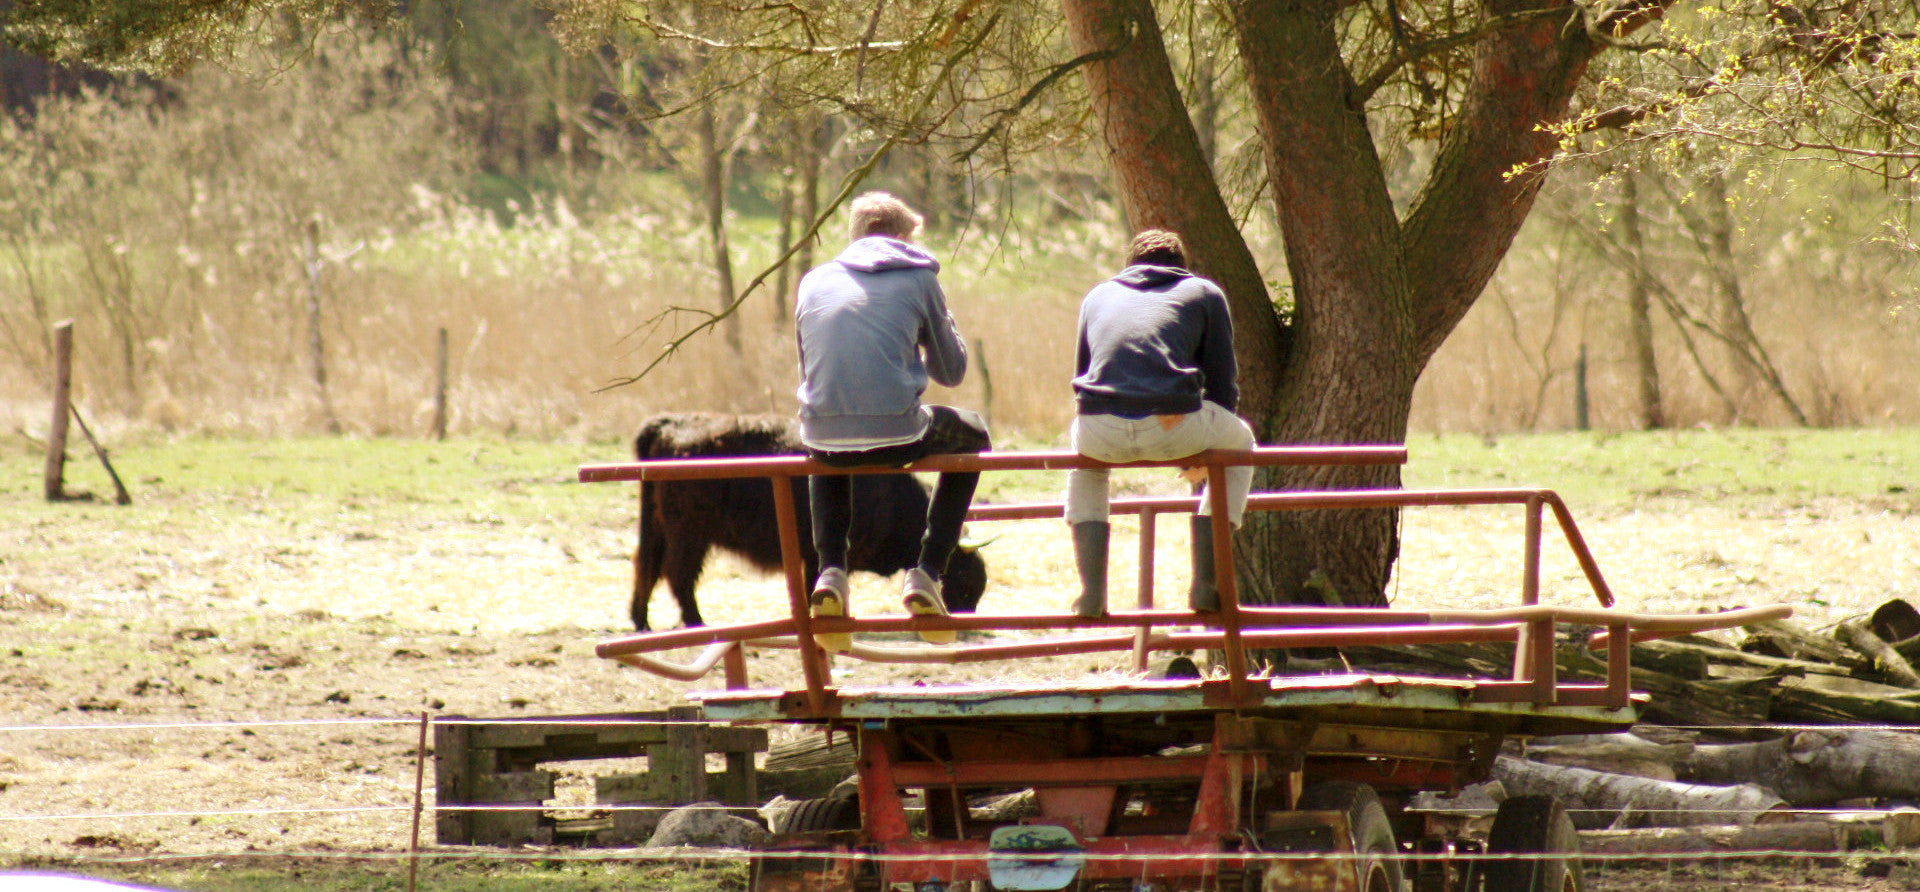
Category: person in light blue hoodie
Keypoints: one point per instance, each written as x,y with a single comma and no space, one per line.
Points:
873,327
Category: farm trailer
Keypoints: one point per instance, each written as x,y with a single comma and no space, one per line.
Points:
1245,778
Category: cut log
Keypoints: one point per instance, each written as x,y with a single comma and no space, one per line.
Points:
1789,836
1611,753
1597,799
1779,638
1679,701
1818,701
1887,661
1817,766
1672,656
1895,621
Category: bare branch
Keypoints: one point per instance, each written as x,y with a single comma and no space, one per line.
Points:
851,182
1405,54
1004,115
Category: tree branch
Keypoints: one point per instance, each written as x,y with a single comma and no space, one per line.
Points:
1408,53
852,181
1002,116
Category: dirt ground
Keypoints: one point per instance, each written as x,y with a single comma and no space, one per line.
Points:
249,684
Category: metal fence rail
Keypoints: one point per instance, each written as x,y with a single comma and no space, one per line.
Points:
1233,629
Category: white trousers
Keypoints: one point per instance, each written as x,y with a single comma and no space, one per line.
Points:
1111,438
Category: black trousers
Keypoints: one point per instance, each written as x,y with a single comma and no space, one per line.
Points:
830,497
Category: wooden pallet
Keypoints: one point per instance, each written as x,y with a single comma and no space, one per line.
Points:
494,762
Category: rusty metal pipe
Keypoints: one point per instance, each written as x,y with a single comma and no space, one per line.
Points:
800,465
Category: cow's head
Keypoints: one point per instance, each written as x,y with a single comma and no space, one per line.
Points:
966,578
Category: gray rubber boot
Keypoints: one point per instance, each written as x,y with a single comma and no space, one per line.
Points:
1090,556
1205,594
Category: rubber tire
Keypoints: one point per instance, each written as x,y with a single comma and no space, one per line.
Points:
811,815
1533,824
1372,831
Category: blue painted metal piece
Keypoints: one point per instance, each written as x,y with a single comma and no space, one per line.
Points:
1036,857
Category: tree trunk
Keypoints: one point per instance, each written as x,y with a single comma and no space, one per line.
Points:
783,280
1372,299
1749,357
1163,180
812,147
316,343
1653,415
1350,375
713,187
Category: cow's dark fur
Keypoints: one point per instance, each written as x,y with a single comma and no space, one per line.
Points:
681,520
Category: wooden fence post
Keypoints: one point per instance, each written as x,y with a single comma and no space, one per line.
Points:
440,387
62,401
316,346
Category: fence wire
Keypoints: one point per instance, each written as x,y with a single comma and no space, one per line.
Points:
1863,821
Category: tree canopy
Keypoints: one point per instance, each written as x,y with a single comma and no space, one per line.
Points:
1396,147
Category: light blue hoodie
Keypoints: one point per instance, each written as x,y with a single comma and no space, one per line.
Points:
873,326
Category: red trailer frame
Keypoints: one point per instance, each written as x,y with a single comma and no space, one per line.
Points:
1244,779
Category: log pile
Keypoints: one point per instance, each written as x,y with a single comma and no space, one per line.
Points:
1749,745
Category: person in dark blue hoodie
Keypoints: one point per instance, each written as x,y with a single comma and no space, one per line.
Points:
873,327
1154,381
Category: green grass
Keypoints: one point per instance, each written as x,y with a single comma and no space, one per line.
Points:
479,874
516,480
528,481
1616,469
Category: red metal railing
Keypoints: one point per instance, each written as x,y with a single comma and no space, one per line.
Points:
1231,630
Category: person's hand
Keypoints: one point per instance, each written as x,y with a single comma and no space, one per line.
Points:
1194,475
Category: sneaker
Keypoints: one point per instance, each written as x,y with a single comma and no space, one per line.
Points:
829,598
923,599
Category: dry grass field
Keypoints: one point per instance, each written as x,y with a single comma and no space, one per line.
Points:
237,664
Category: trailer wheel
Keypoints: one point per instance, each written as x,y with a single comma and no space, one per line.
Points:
1528,825
1375,865
811,815
830,871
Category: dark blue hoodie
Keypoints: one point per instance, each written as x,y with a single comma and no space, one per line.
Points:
1154,340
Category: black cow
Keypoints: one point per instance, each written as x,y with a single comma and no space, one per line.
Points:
680,520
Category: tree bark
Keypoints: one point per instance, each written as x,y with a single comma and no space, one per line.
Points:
1350,375
1795,836
1816,767
1598,799
1489,166
812,150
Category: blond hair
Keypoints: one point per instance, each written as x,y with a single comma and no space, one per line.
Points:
1157,247
879,213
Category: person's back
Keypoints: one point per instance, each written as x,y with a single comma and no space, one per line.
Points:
862,320
1154,380
873,327
1154,340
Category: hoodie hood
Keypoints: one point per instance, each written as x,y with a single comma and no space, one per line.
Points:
1143,276
876,253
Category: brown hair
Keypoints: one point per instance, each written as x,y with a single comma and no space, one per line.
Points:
1157,247
879,213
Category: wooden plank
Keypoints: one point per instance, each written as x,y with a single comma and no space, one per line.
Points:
513,788
451,827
